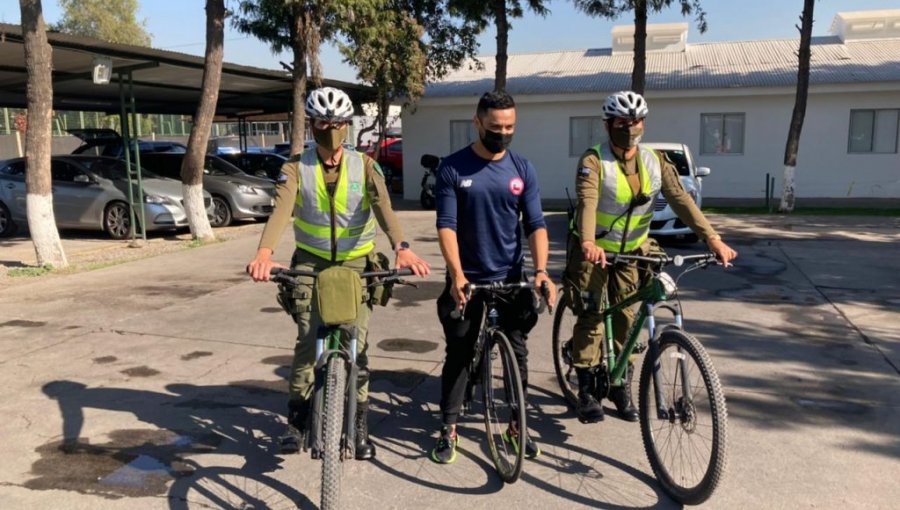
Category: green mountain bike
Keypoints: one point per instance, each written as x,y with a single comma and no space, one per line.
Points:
681,405
332,430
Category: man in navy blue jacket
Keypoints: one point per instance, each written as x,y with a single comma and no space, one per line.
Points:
481,191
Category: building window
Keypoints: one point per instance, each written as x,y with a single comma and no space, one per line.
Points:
722,133
462,133
873,131
585,132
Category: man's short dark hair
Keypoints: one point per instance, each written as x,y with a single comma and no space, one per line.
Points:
497,100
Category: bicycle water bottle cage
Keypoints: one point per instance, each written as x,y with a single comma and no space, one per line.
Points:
339,293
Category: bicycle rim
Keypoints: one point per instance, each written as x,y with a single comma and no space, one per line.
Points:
686,444
504,403
336,379
563,326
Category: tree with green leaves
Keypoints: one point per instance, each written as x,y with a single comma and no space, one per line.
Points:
612,9
39,96
193,163
398,45
298,25
110,20
500,12
788,194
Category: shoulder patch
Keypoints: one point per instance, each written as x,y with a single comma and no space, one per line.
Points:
584,171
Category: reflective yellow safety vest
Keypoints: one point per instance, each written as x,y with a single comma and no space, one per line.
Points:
613,215
344,232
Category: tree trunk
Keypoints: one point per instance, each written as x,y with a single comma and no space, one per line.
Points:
788,194
298,42
39,95
502,43
640,46
193,163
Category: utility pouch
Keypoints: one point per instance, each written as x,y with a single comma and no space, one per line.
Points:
339,293
379,294
293,300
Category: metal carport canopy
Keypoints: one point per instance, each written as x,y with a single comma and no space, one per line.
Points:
163,81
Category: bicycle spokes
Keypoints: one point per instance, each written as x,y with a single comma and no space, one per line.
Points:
683,419
504,411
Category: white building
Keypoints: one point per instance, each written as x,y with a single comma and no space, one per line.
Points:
731,102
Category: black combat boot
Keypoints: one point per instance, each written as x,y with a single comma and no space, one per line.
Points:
365,450
621,397
589,409
297,427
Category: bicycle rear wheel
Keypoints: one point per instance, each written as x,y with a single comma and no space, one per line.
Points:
504,403
684,434
563,326
332,469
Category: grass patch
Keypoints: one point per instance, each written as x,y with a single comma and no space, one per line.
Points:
29,272
808,211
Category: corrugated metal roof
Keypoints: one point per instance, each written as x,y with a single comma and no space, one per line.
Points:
767,63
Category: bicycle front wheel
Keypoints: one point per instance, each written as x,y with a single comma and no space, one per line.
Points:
563,326
335,381
684,431
504,406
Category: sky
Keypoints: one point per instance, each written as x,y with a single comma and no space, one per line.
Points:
179,25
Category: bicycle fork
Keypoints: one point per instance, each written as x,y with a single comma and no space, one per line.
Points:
663,413
323,355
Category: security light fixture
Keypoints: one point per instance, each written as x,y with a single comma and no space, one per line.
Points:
102,70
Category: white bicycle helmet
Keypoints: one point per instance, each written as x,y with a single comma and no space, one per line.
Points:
329,104
626,104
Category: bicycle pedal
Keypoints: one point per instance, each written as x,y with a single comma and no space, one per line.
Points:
640,347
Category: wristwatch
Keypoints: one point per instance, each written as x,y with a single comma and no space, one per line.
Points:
402,246
540,271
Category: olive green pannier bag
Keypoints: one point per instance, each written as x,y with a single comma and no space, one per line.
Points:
339,293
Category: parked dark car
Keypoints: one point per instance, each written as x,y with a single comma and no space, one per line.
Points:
259,164
235,194
108,142
91,193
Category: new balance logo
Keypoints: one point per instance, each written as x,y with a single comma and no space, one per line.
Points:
465,183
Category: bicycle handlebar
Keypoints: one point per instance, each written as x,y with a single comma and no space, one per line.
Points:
289,276
662,260
497,287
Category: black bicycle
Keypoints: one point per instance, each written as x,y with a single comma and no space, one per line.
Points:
495,368
332,430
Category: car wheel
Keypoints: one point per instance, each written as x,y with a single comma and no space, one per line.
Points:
117,220
221,212
7,226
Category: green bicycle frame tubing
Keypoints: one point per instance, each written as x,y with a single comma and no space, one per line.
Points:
653,292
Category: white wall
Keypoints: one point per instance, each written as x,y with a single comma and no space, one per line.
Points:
824,167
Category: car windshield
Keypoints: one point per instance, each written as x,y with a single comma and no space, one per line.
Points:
679,159
113,169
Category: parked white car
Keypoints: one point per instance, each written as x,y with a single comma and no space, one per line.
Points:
665,223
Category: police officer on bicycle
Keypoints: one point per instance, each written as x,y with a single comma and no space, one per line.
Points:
617,184
480,192
336,196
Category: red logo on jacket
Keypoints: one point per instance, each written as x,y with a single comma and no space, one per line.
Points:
516,186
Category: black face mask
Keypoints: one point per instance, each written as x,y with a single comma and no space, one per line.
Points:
495,142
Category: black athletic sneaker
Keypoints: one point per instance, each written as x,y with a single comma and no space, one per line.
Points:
444,451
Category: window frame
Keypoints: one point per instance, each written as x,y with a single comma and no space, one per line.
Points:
574,151
470,131
722,115
874,125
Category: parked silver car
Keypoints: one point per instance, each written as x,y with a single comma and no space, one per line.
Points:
235,194
665,223
91,193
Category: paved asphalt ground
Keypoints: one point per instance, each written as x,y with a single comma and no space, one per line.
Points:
159,383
